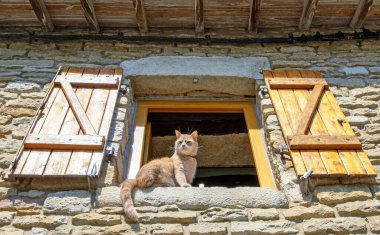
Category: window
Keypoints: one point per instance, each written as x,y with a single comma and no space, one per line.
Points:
151,113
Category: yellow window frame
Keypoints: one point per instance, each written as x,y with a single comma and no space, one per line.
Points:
141,131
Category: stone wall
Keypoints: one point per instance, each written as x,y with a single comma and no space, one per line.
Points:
53,206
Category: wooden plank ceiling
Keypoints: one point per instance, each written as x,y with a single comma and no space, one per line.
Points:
197,15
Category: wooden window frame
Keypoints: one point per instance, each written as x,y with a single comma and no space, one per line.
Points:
144,107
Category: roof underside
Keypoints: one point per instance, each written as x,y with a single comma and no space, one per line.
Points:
202,16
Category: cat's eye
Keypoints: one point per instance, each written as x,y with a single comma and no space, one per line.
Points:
188,142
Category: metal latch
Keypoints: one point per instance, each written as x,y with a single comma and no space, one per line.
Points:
109,152
304,184
123,89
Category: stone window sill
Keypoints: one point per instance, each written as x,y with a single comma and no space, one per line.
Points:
198,198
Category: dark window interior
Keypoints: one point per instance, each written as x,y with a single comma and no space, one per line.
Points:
212,124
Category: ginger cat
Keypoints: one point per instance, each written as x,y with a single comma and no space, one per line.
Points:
178,170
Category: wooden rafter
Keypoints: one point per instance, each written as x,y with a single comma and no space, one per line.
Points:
199,19
42,14
140,15
307,15
361,12
253,23
89,13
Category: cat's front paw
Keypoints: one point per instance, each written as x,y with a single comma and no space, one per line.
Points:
186,185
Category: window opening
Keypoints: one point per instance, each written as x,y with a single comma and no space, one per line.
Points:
224,157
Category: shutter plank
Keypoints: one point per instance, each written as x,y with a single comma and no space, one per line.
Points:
58,159
36,129
330,118
37,160
348,130
80,160
298,163
333,163
311,158
97,157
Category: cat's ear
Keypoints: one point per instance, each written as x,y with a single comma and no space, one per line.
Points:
194,134
177,134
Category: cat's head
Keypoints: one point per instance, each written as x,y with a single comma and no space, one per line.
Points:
186,145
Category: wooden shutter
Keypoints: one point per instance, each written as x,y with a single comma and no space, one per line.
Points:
317,133
69,133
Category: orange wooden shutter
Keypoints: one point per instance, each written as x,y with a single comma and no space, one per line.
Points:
69,133
317,133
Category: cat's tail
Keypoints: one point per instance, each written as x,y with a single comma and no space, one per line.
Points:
126,197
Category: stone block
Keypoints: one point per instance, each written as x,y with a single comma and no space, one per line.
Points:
30,221
277,64
168,208
111,210
145,209
208,228
363,92
20,203
7,192
353,103
263,214
22,87
169,217
374,224
6,218
217,214
166,229
355,71
11,230
32,194
359,208
347,225
29,63
338,194
10,145
302,213
115,229
264,227
197,198
9,53
292,49
5,119
358,120
373,129
96,219
68,202
18,112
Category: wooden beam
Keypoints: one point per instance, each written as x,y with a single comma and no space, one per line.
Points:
103,82
89,13
307,15
140,15
296,83
361,12
314,142
77,109
253,23
82,142
42,14
308,112
199,19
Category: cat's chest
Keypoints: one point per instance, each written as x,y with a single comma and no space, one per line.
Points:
190,167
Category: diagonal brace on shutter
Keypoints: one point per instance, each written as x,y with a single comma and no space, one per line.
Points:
300,140
77,108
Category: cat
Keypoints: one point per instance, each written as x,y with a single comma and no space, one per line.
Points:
178,170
